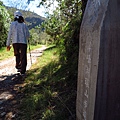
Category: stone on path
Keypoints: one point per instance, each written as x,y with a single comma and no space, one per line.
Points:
98,90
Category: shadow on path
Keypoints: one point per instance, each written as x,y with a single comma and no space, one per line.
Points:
10,96
11,84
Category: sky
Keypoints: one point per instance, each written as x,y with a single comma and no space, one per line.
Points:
30,5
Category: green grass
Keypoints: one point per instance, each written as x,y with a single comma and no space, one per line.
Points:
4,54
49,93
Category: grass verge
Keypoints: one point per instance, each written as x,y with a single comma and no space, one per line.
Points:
49,93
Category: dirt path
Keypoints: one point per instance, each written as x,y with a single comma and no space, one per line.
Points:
10,83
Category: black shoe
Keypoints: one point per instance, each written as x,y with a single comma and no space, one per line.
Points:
23,75
22,72
18,70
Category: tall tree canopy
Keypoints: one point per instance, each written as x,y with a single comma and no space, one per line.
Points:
4,24
63,26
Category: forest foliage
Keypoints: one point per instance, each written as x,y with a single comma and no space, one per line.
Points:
64,27
4,24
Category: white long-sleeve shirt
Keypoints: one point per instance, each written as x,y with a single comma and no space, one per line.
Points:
18,33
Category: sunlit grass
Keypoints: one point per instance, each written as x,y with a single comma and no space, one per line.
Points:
4,54
38,92
47,91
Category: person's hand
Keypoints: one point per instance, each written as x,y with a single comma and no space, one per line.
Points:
8,48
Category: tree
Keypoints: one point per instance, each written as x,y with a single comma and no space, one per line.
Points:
4,24
84,3
64,25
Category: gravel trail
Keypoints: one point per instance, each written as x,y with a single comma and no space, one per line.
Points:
10,83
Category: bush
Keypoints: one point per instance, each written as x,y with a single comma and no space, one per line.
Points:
4,24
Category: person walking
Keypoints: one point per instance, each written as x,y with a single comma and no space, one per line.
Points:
19,34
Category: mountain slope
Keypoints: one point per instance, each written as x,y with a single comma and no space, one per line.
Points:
32,19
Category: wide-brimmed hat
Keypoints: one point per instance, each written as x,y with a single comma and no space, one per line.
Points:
17,13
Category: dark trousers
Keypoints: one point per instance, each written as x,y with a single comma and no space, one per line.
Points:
20,52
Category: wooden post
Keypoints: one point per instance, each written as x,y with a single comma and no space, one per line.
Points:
98,90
